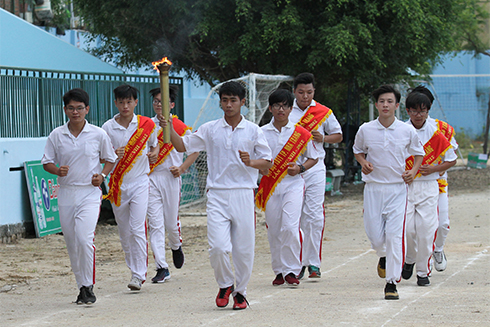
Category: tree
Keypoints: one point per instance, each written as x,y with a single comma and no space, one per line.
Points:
343,42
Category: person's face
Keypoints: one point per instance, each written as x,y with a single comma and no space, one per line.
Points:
418,116
157,104
231,105
280,112
387,105
304,94
76,111
126,106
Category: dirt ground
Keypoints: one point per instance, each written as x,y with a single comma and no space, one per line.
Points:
37,287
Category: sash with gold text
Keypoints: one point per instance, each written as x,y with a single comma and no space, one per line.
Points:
132,151
165,148
446,129
314,117
293,148
434,149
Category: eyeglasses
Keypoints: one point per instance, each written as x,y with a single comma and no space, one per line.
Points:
277,106
157,102
418,113
77,108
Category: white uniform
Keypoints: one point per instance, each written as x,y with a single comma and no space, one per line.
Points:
230,191
422,217
283,210
78,199
163,206
131,214
313,213
443,229
385,193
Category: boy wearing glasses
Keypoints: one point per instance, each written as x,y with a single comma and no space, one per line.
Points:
381,147
78,147
164,199
281,189
423,193
135,141
236,150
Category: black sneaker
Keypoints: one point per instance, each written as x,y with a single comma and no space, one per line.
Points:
423,281
178,256
240,302
301,273
407,270
382,267
89,295
81,296
390,292
162,275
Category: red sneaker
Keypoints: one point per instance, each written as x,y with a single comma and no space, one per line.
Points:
291,279
278,281
240,302
223,296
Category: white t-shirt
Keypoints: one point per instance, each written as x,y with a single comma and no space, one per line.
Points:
277,139
425,133
120,136
81,154
387,149
225,168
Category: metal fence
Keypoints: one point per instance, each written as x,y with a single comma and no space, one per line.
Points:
31,100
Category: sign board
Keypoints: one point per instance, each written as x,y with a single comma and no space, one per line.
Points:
43,194
477,160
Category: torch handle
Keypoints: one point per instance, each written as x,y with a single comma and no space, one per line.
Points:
164,89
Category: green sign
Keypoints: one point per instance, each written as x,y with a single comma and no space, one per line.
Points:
43,193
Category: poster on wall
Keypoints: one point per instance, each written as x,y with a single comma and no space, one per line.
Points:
43,194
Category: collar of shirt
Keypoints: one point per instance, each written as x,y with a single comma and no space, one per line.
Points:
424,126
271,126
295,105
241,124
134,120
66,130
392,126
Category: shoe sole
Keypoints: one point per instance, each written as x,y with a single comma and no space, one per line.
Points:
315,275
392,297
160,281
134,287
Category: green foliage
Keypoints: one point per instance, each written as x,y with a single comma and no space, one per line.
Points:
365,42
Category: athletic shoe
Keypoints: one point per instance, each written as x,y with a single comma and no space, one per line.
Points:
86,295
291,279
224,296
278,281
162,275
407,270
301,273
440,261
135,284
314,272
382,267
390,292
423,281
240,302
178,256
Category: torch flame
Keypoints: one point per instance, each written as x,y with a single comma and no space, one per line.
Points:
164,60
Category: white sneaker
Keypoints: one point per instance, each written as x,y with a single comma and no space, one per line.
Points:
440,261
135,284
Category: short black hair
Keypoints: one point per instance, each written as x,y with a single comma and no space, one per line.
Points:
282,96
422,89
232,88
126,91
173,91
418,100
76,94
304,78
386,89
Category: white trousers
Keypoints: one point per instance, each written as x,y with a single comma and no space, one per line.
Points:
79,208
384,221
422,223
131,224
163,214
231,228
443,229
282,216
312,220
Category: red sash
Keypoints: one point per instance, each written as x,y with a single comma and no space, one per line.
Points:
132,151
434,149
165,148
293,148
314,117
446,129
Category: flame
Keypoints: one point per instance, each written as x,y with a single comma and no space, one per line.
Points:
164,60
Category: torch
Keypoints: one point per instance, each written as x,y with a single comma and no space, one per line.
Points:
163,66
